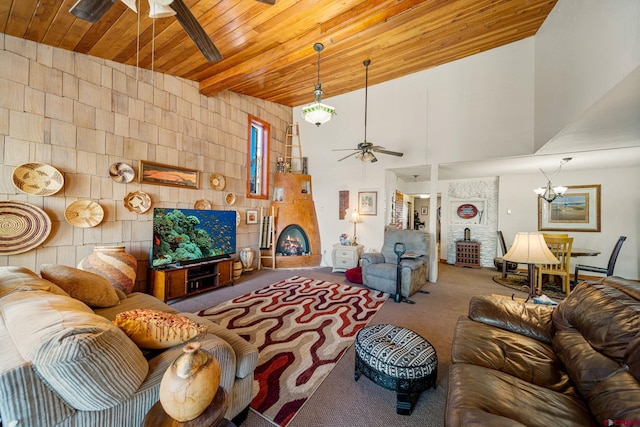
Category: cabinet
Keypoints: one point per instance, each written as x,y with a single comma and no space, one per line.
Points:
187,280
468,254
345,257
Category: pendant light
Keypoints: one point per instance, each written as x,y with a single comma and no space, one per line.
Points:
550,193
317,112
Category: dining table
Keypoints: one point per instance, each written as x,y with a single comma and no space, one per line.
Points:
576,252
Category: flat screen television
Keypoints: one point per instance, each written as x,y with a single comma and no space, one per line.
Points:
188,236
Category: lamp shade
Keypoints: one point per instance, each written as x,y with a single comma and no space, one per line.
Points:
159,10
355,217
318,113
530,248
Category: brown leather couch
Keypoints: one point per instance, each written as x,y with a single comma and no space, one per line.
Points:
576,364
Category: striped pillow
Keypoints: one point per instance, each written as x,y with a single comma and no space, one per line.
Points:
86,359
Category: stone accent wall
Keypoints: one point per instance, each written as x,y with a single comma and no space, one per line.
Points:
81,114
485,190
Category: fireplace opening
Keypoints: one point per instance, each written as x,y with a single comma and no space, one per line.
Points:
293,242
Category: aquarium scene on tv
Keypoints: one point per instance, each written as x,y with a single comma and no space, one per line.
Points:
185,236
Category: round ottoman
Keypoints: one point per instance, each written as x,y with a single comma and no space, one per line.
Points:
397,359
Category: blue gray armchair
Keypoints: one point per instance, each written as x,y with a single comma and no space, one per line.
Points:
379,269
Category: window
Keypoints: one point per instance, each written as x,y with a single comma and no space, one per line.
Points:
258,159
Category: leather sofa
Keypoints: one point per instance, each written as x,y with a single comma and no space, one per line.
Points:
76,368
574,364
380,269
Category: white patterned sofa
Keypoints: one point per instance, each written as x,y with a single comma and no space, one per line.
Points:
65,364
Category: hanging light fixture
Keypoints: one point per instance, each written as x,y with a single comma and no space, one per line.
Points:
317,112
160,9
550,193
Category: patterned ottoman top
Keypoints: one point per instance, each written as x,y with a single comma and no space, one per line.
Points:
396,351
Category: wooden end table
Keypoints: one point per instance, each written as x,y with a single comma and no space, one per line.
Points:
213,416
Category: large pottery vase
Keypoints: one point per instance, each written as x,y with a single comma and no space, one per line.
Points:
246,256
190,383
113,263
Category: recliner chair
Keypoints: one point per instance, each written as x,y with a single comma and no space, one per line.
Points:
379,269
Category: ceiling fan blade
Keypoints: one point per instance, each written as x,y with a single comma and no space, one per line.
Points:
345,149
271,2
91,10
193,28
346,157
393,153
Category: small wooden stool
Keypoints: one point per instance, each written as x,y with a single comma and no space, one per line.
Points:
397,359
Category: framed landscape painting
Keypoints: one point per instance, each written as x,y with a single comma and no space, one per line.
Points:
159,174
578,209
368,203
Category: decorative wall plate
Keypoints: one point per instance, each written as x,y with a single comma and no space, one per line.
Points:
84,213
202,204
230,199
37,179
467,211
23,227
137,202
217,181
121,172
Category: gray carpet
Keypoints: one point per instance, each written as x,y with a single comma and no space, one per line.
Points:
341,401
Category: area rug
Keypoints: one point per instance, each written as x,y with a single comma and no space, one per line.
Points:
301,327
520,283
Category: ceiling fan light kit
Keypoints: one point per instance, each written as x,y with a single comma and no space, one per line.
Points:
365,150
317,112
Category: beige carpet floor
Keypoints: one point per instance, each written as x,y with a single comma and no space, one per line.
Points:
341,401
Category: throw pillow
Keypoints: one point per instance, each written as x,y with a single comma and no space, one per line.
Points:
90,288
154,329
354,275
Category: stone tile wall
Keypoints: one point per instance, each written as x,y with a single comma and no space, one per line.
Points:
81,114
485,190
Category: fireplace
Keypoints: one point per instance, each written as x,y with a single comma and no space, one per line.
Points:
297,239
292,242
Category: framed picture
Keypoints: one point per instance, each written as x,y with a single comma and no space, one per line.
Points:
278,194
252,217
424,210
578,209
343,203
368,203
159,174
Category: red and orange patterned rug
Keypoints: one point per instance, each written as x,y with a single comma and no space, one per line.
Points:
301,327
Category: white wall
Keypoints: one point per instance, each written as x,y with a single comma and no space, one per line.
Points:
477,107
583,49
620,213
483,107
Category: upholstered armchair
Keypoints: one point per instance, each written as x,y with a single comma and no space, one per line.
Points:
379,269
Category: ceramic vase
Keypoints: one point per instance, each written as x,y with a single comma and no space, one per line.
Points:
246,256
189,385
113,263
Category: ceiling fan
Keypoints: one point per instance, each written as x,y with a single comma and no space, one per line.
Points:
365,150
93,10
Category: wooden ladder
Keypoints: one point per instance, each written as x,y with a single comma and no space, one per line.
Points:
267,238
293,150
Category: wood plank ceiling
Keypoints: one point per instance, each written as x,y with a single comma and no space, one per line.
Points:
268,50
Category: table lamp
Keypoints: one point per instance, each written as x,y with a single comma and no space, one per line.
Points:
530,249
355,219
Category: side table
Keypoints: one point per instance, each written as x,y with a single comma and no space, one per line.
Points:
213,416
467,254
345,257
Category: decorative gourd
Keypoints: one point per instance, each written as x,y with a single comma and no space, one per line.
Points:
190,383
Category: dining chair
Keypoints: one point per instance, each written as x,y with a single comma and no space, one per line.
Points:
501,265
610,266
560,247
553,235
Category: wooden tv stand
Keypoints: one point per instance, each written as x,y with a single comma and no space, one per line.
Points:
179,282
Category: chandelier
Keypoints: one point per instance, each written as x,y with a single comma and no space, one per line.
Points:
550,193
317,112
